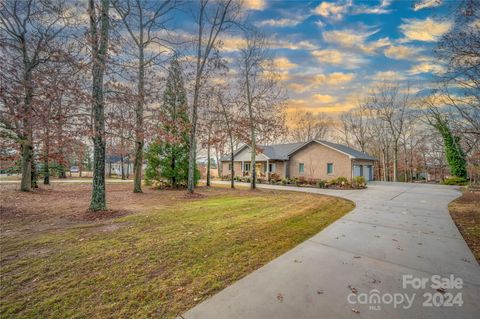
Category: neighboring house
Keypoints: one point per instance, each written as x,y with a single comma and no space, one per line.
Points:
114,165
311,160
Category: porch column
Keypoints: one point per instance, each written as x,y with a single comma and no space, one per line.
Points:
268,171
243,167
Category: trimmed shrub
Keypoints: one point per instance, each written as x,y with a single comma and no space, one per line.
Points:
359,181
321,183
455,180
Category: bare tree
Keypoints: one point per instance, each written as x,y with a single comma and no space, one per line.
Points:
29,31
390,104
99,31
355,123
143,21
307,126
459,49
214,17
260,91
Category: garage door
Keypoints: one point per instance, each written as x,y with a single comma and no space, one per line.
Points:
357,170
368,172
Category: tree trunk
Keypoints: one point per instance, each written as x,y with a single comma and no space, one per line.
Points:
232,170
192,154
99,52
34,175
219,166
27,141
208,158
46,170
395,162
123,168
139,138
384,165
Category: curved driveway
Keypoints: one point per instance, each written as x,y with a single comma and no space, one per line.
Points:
396,229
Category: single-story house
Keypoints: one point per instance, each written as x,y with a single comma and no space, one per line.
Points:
315,159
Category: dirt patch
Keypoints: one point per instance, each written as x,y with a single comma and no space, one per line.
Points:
465,212
90,215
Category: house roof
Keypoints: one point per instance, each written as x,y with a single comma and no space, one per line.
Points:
283,151
347,150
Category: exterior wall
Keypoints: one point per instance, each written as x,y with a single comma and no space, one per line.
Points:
246,155
237,166
279,168
315,158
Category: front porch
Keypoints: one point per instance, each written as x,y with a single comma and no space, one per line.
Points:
264,169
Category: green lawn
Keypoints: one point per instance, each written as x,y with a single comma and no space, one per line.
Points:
168,254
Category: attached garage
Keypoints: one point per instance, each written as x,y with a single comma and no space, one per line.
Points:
363,170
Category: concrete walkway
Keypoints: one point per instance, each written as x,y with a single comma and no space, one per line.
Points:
396,229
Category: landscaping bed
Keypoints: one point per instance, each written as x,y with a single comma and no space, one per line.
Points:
336,183
164,254
465,212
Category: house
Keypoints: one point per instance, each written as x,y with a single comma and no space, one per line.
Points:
315,159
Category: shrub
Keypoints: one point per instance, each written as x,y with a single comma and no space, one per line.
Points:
321,183
359,181
455,180
342,180
285,181
274,177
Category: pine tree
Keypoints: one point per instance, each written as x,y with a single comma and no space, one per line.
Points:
167,159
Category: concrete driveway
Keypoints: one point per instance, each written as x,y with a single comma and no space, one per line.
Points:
354,268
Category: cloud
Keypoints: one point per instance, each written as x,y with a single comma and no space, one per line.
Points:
332,10
353,39
335,78
380,9
277,43
426,67
321,98
284,22
426,4
283,63
428,30
303,83
232,43
337,57
400,52
255,4
310,105
387,76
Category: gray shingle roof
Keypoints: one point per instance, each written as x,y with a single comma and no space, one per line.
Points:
347,150
280,151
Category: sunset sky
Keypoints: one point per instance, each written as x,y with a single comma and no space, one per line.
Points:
331,52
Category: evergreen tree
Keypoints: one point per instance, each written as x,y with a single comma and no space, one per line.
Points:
167,159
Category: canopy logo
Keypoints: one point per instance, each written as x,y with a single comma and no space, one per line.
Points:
441,292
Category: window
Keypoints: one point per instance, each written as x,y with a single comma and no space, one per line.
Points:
301,168
271,168
330,168
246,167
229,166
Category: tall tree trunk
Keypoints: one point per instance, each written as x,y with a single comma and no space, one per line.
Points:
139,136
46,155
384,165
395,162
123,168
219,167
34,175
99,53
27,139
208,157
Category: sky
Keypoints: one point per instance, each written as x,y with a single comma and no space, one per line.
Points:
331,53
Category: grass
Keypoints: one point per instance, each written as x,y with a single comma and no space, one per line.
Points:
465,212
163,256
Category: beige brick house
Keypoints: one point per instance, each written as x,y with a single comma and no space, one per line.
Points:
311,160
